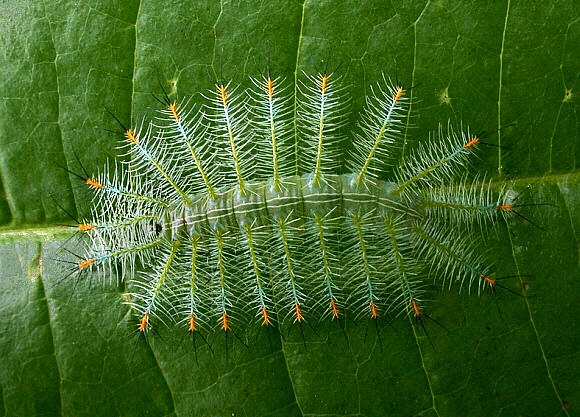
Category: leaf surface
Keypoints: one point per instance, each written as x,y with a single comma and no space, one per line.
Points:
508,70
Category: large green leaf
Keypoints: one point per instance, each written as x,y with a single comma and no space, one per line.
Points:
508,68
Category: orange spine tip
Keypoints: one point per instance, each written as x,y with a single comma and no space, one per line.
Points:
323,83
143,323
506,207
223,95
489,280
191,322
86,263
265,316
270,87
374,310
416,309
85,227
224,321
334,308
173,109
93,183
472,142
130,135
398,94
297,312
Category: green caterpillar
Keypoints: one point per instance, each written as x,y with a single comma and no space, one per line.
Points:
234,227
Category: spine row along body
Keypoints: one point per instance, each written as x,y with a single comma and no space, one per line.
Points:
232,227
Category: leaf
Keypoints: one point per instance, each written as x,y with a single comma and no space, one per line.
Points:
509,70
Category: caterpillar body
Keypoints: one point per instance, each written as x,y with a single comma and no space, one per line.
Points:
233,226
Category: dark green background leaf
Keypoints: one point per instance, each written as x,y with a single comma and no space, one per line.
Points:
510,69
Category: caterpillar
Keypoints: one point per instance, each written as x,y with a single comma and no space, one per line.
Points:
240,212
